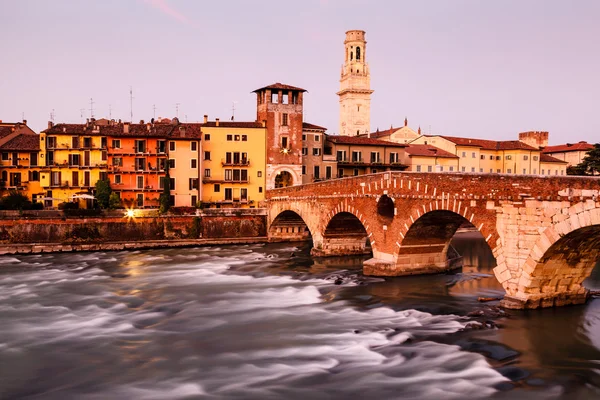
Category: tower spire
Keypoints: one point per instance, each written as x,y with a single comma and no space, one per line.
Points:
355,86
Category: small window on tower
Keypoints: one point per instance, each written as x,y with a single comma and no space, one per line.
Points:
357,54
358,108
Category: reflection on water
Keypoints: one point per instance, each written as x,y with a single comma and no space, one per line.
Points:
269,321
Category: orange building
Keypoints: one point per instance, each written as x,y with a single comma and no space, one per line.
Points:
138,157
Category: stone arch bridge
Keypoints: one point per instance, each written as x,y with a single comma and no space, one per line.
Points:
544,231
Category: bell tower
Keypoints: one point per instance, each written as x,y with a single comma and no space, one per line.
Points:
355,87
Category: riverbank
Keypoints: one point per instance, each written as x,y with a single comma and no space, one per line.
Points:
36,248
46,234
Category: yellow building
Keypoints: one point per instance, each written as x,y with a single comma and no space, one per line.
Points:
571,153
488,156
233,163
74,157
19,159
552,166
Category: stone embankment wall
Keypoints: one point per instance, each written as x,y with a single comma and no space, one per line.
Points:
44,234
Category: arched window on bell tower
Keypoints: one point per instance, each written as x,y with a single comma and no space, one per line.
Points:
351,55
358,54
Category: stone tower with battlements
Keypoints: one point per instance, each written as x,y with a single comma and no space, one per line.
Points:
355,87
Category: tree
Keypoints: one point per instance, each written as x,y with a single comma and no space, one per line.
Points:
165,196
15,200
114,201
103,192
590,165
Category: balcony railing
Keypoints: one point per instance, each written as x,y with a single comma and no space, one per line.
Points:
242,162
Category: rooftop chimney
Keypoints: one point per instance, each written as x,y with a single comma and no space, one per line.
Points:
205,118
216,121
264,123
126,127
25,121
50,124
141,122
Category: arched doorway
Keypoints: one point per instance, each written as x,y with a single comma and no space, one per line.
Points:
283,179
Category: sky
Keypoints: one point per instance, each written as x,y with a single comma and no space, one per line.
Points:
473,68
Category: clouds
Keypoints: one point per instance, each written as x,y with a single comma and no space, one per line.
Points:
164,7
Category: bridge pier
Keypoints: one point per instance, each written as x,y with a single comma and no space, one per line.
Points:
340,245
289,233
415,260
548,300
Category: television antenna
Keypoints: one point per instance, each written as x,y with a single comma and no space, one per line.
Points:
91,108
233,110
109,112
131,103
154,110
177,109
52,115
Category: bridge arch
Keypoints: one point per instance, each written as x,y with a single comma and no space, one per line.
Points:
424,246
562,258
290,221
344,233
289,225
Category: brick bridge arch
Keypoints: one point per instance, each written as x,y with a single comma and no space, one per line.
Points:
520,217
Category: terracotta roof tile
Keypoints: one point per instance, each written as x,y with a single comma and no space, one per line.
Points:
234,124
489,144
581,146
22,142
361,140
426,150
135,130
550,159
279,86
306,125
5,131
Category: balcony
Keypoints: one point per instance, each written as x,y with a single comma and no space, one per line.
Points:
221,180
237,163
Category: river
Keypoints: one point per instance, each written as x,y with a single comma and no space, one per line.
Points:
269,321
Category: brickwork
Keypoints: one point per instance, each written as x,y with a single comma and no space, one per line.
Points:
521,218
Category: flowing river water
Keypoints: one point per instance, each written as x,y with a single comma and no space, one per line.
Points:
269,321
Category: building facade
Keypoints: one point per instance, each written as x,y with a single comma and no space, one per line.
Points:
19,160
233,163
355,87
314,168
280,106
73,157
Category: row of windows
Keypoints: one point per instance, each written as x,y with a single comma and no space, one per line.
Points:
33,159
440,168
141,165
141,145
375,157
14,178
193,183
317,137
230,191
492,157
316,151
235,138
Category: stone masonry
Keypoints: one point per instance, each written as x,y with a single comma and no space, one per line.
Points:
544,232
